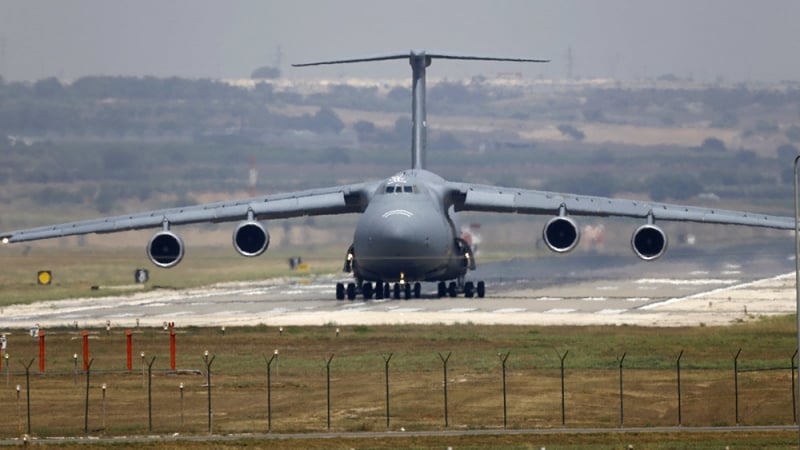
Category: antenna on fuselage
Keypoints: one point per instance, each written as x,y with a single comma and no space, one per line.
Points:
419,60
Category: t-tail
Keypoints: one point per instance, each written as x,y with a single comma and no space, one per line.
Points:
419,60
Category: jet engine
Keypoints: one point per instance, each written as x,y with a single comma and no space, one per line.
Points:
561,234
250,238
165,249
649,242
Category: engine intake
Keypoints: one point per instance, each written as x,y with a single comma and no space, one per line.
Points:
165,249
250,238
649,242
561,234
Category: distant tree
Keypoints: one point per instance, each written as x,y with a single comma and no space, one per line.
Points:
571,131
326,120
48,88
677,186
363,127
712,144
266,72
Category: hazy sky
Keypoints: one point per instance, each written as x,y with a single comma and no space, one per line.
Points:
740,40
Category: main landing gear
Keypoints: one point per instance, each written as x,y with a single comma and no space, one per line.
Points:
378,291
469,289
382,290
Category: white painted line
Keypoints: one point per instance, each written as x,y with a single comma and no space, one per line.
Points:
559,311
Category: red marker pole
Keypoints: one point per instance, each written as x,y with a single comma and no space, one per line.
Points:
85,351
129,339
41,350
172,348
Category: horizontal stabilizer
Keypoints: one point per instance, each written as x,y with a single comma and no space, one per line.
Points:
412,53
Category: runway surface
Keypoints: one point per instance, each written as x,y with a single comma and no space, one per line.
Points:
689,286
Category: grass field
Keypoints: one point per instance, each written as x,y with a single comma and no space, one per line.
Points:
298,387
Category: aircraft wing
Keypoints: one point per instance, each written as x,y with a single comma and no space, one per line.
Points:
475,197
335,200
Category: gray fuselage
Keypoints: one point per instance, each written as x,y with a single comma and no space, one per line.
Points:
408,232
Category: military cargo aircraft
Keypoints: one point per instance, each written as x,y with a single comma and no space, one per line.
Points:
408,230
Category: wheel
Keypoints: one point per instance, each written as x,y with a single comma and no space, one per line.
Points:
379,290
452,289
481,289
339,291
469,289
387,290
366,289
396,290
351,291
441,289
417,290
407,291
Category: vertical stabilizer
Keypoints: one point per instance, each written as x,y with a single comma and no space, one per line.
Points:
419,60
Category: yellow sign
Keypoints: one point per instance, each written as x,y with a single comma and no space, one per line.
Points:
44,277
302,267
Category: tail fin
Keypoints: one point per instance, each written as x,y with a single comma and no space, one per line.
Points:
419,60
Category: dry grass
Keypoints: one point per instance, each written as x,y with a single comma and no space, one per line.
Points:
299,402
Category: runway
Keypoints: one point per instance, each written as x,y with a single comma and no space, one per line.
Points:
688,287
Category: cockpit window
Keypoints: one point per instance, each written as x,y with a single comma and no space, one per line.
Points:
400,189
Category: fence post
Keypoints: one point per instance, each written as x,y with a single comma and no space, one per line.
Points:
88,370
129,350
172,350
736,383
208,363
150,394
621,401
563,403
386,360
444,364
503,359
794,394
328,376
269,388
28,391
678,369
41,351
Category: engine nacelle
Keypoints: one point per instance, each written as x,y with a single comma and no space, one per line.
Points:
649,242
165,249
561,234
250,238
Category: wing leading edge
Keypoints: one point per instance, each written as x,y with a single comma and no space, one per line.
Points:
335,200
475,197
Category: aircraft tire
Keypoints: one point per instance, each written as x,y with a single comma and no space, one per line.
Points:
452,289
469,289
396,291
441,289
387,290
481,290
417,290
366,289
340,291
351,291
379,290
407,291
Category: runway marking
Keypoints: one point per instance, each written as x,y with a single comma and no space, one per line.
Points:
405,310
559,311
509,310
712,292
460,310
594,299
611,311
550,299
690,282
